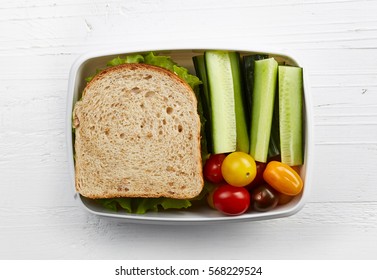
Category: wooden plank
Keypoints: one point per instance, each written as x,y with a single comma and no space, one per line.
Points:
320,230
39,40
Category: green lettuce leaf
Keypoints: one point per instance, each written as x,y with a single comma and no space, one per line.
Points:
114,203
175,203
126,204
167,63
116,61
156,60
88,79
143,205
109,204
136,58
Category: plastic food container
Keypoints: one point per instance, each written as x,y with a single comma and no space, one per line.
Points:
87,64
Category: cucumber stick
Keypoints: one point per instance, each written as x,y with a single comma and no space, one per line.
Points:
241,123
200,70
274,147
290,114
265,80
228,121
248,70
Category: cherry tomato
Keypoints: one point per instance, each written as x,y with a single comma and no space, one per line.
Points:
231,200
239,169
264,198
296,168
258,180
210,199
284,199
212,168
283,178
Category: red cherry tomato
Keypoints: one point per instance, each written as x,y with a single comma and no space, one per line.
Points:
264,198
258,180
212,168
231,200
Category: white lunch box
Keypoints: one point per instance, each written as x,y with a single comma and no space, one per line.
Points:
87,64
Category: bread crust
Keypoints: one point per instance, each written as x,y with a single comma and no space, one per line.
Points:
137,66
125,103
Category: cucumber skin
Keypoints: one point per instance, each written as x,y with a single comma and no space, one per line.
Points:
265,80
224,134
239,103
248,73
200,69
274,146
291,114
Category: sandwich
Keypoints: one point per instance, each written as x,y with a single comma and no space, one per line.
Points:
138,132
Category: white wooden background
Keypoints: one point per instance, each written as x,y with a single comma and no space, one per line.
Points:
39,40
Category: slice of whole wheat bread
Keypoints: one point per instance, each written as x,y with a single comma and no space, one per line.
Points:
137,135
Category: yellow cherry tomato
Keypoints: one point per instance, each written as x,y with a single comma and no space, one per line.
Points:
238,169
283,178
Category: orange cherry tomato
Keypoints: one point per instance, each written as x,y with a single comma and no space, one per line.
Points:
283,178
